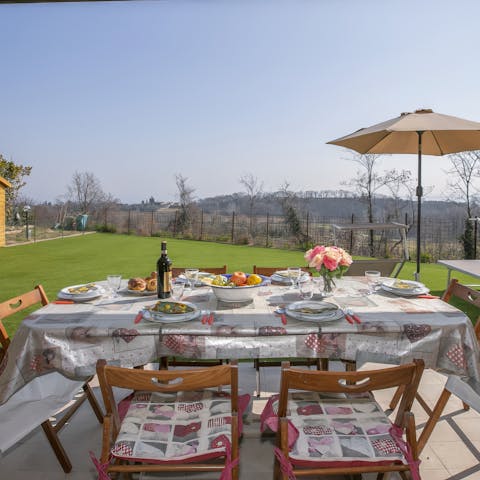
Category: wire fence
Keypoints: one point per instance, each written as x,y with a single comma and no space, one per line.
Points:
440,236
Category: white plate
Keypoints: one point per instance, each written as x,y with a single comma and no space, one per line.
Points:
173,317
281,276
127,291
406,293
409,287
321,311
72,293
204,278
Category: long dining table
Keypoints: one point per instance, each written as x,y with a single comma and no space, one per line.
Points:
56,347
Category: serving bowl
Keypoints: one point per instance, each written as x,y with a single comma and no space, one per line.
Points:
236,294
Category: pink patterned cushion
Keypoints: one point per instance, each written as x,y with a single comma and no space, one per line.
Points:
335,430
162,427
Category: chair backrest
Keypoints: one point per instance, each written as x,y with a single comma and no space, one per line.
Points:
165,381
457,290
407,376
386,267
17,304
176,271
269,271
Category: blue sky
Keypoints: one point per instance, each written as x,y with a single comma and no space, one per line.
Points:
137,92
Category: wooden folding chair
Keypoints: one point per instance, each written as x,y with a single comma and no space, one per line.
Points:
269,271
175,420
328,423
455,292
466,390
386,267
37,296
166,362
319,363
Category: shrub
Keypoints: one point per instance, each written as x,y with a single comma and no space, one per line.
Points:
105,228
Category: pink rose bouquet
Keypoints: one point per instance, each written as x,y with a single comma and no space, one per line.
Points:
331,262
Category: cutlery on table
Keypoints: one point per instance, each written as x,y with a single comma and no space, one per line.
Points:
64,302
427,295
205,316
348,318
353,315
281,311
139,317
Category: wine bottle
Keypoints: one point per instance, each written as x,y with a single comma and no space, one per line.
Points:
164,273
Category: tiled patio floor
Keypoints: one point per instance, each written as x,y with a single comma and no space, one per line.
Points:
445,457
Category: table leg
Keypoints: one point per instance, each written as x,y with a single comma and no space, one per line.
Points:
449,274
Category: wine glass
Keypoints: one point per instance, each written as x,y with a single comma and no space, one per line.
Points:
306,288
114,282
177,288
294,276
191,274
373,278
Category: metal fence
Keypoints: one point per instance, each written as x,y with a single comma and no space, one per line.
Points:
440,237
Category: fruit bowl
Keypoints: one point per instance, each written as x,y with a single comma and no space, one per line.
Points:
231,294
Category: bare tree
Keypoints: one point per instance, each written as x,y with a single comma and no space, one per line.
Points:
85,191
185,200
254,189
368,182
465,168
400,186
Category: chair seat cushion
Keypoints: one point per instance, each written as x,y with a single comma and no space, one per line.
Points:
351,430
179,426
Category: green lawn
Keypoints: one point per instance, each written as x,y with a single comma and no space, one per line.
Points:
58,263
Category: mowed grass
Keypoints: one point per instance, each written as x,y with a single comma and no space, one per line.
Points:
69,261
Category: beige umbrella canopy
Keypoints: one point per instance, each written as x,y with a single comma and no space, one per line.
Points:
423,131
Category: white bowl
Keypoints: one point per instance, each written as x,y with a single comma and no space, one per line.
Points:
235,294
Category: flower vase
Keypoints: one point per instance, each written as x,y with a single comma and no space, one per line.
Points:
328,285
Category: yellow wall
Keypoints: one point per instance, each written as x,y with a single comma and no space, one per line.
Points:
3,186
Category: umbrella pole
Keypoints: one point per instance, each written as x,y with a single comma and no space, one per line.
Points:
419,203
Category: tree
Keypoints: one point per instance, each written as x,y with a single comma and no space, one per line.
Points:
288,201
400,186
368,182
15,175
465,168
85,191
254,188
185,200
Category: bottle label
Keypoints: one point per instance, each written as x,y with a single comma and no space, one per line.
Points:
167,281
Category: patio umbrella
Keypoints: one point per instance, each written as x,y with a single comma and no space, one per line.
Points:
423,131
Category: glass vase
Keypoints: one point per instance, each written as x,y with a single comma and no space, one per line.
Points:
328,285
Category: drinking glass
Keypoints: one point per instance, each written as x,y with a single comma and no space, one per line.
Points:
177,288
294,276
191,274
373,279
306,289
114,282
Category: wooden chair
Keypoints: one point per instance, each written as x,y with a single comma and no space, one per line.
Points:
269,271
330,424
319,363
175,420
457,292
166,362
386,267
38,297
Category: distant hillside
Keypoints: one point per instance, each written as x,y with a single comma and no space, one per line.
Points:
341,206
